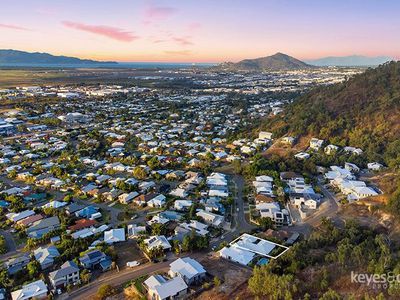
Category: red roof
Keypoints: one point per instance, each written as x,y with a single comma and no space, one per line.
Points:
30,220
82,223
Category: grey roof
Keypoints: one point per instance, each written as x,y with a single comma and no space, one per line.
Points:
74,207
46,254
44,223
67,268
18,259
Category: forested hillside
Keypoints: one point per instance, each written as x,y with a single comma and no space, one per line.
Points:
362,111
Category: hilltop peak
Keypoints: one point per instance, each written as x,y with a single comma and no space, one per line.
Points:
276,62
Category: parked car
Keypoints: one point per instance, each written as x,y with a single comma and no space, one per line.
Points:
132,264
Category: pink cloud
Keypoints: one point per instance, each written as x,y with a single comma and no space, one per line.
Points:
15,27
158,13
179,52
159,41
107,31
184,41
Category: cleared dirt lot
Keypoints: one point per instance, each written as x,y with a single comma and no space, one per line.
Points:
234,279
129,251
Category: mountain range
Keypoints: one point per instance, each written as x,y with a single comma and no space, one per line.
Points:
15,57
276,62
349,61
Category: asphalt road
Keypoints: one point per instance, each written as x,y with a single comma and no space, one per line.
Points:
239,215
11,245
239,224
328,209
119,278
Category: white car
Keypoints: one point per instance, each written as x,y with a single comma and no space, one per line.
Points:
132,264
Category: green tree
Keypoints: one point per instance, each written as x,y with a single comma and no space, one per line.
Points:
33,268
4,278
105,291
266,223
216,281
85,276
186,244
3,245
330,295
153,163
158,229
278,287
139,173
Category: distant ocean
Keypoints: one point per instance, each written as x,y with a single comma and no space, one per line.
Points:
127,65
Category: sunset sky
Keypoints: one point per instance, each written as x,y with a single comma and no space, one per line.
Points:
201,30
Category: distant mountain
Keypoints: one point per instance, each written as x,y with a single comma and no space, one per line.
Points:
10,57
349,61
276,62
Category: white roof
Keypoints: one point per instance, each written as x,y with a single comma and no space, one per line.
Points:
210,217
241,256
157,241
264,178
254,244
30,290
178,192
187,267
183,203
166,289
15,217
364,190
134,229
262,184
216,181
55,204
217,193
114,235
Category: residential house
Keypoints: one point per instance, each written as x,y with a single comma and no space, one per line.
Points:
135,231
316,144
160,288
210,218
13,265
114,236
197,227
265,135
127,198
87,212
43,226
245,248
374,166
157,241
273,211
81,224
331,149
307,200
67,274
302,155
15,217
190,270
46,256
33,290
288,140
351,167
157,201
93,259
182,205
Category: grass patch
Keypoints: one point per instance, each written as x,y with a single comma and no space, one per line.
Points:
138,283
